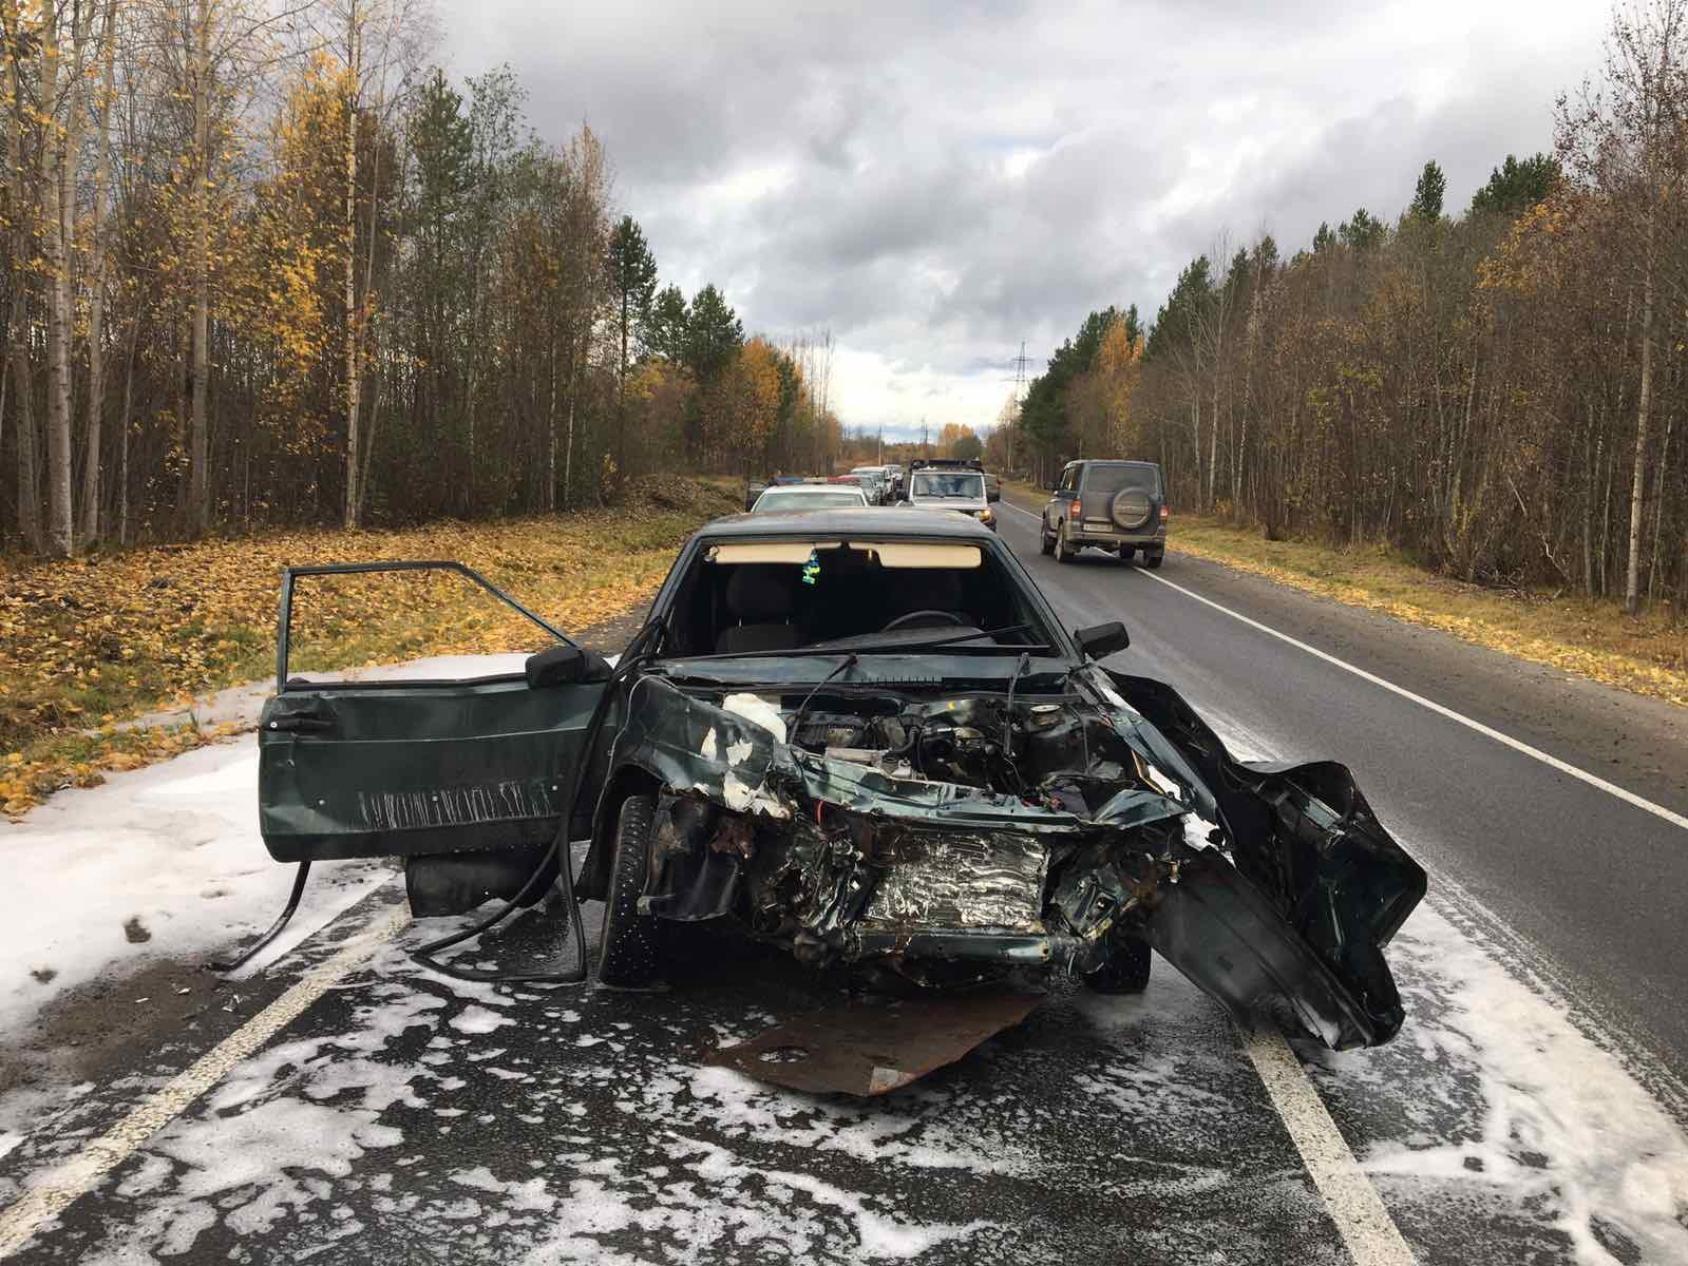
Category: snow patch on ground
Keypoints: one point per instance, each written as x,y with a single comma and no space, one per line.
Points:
166,863
159,863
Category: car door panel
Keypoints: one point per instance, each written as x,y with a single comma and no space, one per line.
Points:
402,768
420,768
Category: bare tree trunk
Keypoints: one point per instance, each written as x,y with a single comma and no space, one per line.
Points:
1638,481
91,470
549,502
123,434
17,316
1659,505
568,444
199,427
57,152
351,231
369,448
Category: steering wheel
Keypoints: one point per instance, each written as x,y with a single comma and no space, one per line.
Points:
945,617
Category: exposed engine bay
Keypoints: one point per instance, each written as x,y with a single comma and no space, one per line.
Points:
950,836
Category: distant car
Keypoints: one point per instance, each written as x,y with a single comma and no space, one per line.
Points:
1117,505
993,487
753,488
947,489
874,482
809,497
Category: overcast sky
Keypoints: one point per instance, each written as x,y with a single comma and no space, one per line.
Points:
935,183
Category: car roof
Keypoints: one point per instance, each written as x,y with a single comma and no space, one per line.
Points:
1113,461
864,521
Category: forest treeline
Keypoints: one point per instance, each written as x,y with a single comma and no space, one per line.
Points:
1500,392
262,263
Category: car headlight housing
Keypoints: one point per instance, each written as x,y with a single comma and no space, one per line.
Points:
985,515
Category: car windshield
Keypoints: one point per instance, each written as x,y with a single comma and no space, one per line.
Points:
949,483
791,595
807,499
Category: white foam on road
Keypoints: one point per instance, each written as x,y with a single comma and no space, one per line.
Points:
166,863
1505,1102
49,1194
163,863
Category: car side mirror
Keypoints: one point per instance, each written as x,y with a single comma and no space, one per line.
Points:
565,666
1100,640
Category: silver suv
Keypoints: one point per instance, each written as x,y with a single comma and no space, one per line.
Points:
1118,506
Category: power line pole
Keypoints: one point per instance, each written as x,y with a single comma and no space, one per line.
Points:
1019,399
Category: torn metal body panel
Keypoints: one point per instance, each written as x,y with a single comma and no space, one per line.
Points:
1270,887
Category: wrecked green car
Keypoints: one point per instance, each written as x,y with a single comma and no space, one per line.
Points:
866,738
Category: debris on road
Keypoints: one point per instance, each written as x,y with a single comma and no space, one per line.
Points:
868,1049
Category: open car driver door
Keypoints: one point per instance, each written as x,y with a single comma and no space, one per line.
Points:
465,777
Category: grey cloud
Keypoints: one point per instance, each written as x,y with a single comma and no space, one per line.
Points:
855,169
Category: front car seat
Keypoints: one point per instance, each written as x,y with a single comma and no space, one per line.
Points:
760,601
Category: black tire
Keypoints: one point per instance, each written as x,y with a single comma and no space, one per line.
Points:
1152,561
1045,542
1126,969
1127,553
1064,553
630,944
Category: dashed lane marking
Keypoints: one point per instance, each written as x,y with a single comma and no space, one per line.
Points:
54,1192
1517,745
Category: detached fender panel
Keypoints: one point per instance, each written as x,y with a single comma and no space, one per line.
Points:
1313,891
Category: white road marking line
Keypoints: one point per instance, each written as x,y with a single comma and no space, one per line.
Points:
55,1191
1517,745
1366,1228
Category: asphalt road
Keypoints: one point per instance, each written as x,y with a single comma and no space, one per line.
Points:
358,1109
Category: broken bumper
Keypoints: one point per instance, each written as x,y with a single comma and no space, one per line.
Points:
1282,901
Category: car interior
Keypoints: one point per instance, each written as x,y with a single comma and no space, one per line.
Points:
732,605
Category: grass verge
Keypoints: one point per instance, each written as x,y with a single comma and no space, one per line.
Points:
90,643
1647,654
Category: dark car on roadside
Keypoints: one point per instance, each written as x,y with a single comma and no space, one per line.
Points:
1119,506
865,738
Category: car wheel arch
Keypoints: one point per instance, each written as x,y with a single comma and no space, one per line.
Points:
626,782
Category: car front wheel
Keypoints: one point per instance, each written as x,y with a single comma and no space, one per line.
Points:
630,945
1126,969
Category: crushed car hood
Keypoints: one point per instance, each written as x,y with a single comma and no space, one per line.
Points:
1272,887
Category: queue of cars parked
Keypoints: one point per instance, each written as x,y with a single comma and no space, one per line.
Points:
936,484
1114,505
